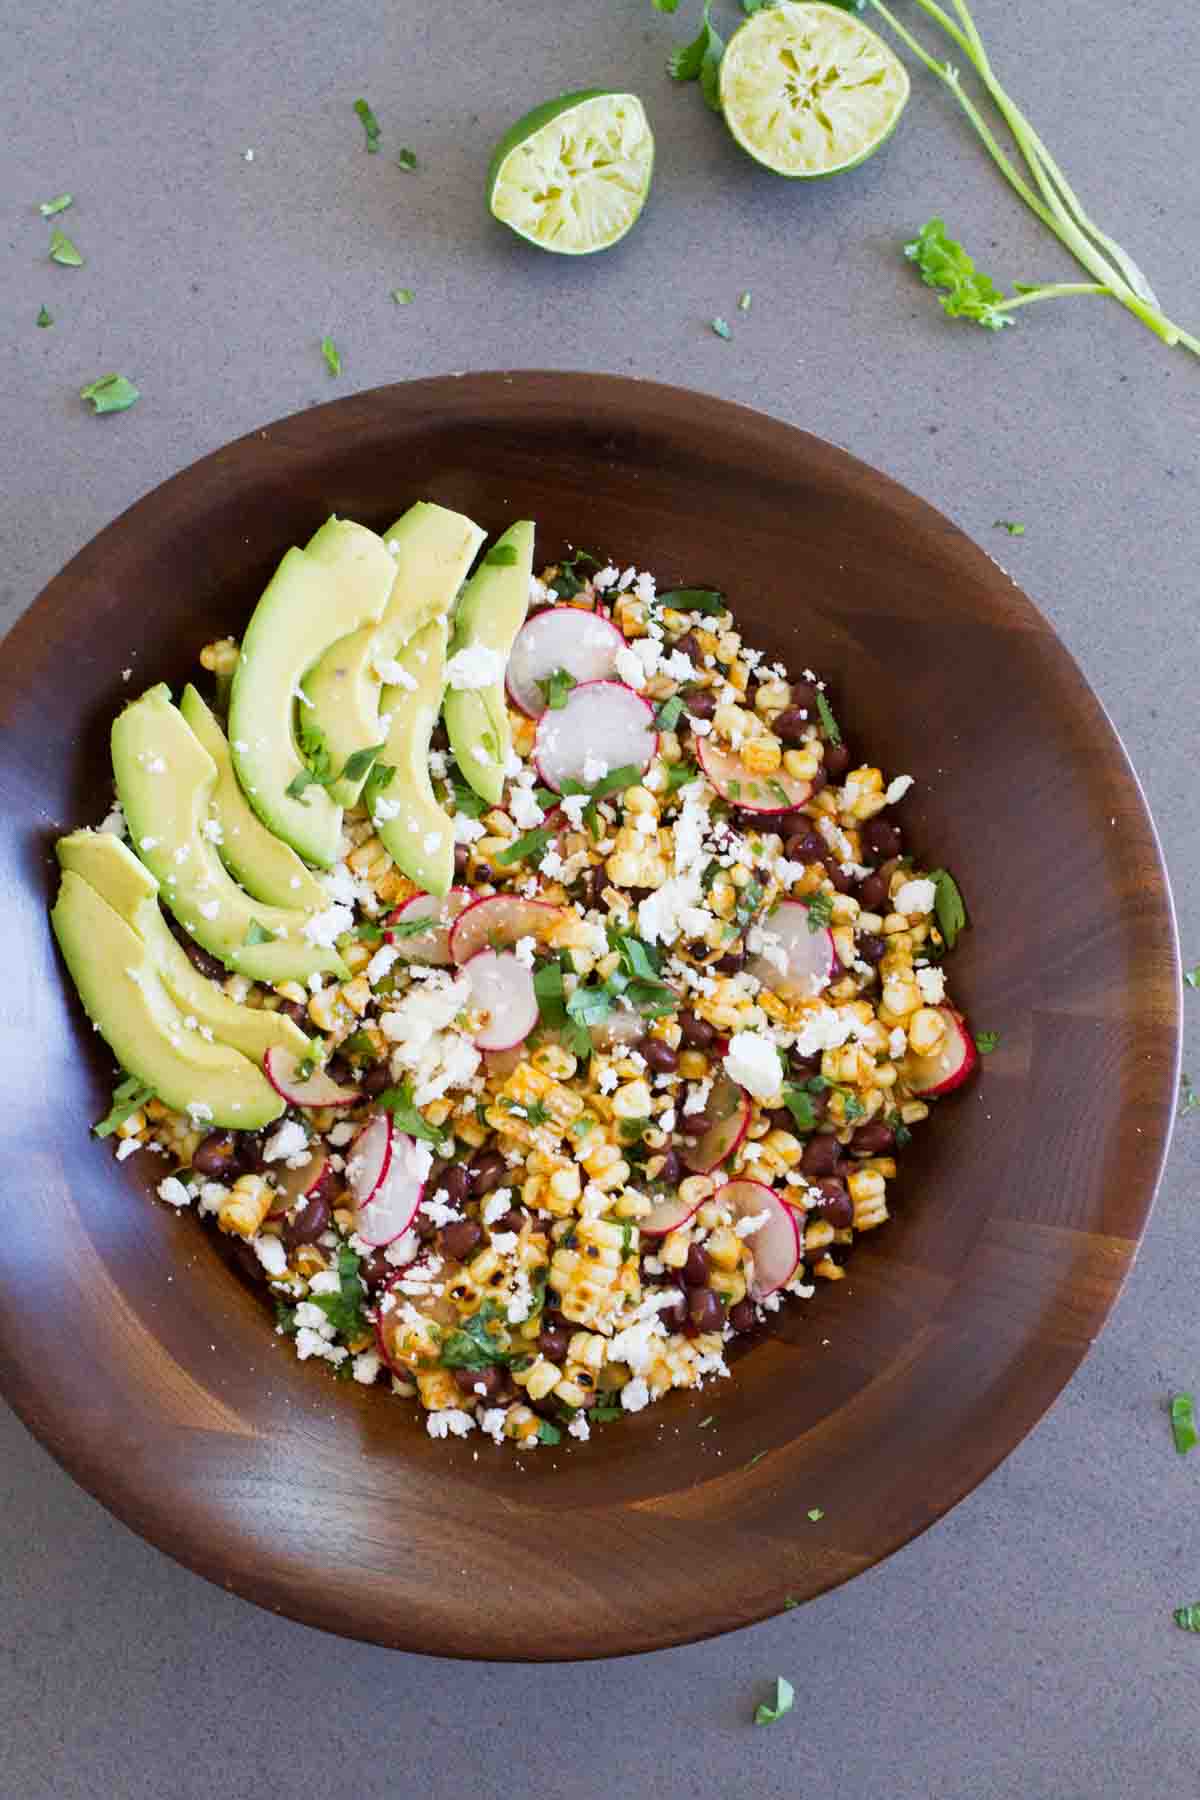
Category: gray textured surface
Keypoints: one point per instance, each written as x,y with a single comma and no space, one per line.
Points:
1024,1646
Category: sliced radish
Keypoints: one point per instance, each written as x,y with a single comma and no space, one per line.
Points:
432,946
729,1107
498,922
621,1027
394,1205
670,1213
280,1068
811,955
502,991
602,724
370,1158
300,1184
950,1063
562,638
778,793
776,1244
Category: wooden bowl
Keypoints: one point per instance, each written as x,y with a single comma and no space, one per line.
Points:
138,1357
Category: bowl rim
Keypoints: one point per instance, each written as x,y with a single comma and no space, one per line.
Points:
524,396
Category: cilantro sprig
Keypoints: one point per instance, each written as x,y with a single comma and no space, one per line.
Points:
556,687
785,1696
948,905
707,601
110,393
128,1096
319,770
1183,1422
701,59
568,582
820,911
399,1102
370,125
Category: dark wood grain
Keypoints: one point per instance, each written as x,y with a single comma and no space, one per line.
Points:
151,1371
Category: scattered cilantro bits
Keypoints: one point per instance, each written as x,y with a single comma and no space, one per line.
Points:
1189,1099
403,296
406,159
370,125
1013,527
986,1042
785,1697
45,318
62,250
1183,1422
329,351
745,300
1191,977
60,203
701,59
721,328
1187,1617
110,393
129,1096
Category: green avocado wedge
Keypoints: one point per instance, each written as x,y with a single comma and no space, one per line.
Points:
340,581
107,865
433,550
491,611
267,868
124,996
165,781
414,830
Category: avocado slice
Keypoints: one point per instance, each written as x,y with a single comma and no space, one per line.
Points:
107,865
125,999
165,781
490,614
338,582
413,828
433,550
266,866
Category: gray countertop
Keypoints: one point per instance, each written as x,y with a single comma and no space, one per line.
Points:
1024,1646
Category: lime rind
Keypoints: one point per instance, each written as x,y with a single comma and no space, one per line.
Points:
809,90
572,175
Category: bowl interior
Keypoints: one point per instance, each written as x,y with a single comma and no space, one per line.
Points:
150,1369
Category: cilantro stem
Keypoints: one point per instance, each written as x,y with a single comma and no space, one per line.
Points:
1052,291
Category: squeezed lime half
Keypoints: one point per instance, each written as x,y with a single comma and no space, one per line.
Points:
573,174
810,90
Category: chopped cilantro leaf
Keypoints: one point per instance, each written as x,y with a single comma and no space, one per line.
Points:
62,250
358,764
329,351
1189,1099
602,1414
556,687
44,318
701,60
567,581
1012,526
744,301
693,600
815,1513
720,328
790,1605
403,296
382,776
1191,977
679,774
532,844
800,1105
548,1433
285,1318
785,1696
986,1041
370,125
60,203
409,928
948,906
344,1310
480,1340
257,934
110,393
829,724
466,800
668,714
501,556
820,911
128,1095
400,1103
966,292
755,1459
1183,1422
406,159
1187,1617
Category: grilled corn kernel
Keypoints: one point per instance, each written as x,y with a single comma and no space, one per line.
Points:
247,1205
901,997
438,1388
926,1029
913,1111
632,1101
828,1270
762,756
729,1284
724,1248
817,1233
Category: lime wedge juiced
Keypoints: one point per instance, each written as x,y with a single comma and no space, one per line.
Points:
808,89
573,174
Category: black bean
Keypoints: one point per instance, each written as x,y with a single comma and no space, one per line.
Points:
875,1138
674,1316
439,738
835,1203
513,1220
452,1180
818,781
457,1240
375,1269
698,1034
804,695
791,724
842,882
462,859
837,761
200,959
216,1156
705,1310
689,646
486,1171
780,1119
872,893
671,1173
372,1081
480,1384
553,1320
803,1068
822,1155
807,846
660,1057
250,1146
553,1344
339,1070
742,1316
310,1223
595,883
881,839
871,949
297,1012
702,704
732,963
695,1269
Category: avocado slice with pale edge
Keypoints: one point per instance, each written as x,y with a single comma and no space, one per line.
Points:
165,782
340,581
490,613
110,867
266,866
409,836
124,996
433,550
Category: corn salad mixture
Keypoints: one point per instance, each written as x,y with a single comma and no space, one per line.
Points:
741,1015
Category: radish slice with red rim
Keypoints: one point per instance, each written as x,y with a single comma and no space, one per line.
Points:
395,1203
370,1158
602,724
499,921
621,1028
297,1185
667,1215
766,794
562,638
281,1070
431,945
502,991
729,1109
950,1064
811,957
775,1243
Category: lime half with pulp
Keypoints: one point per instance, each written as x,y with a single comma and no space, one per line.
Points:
573,174
809,90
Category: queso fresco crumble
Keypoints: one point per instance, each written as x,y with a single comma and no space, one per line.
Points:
535,1151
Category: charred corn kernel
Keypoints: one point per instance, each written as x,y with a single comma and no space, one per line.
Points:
587,1349
639,800
345,1220
843,943
817,1233
828,1270
521,1425
901,997
728,645
573,1392
773,1006
880,1165
724,1248
522,733
673,622
772,696
729,1284
843,909
391,887
629,616
693,1065
645,868
220,657
555,1061
841,1064
872,922
738,676
308,1259
356,957
740,877
468,1128
734,722
483,1267
673,1251
926,1029
870,1212
361,858
293,990
133,1126
528,1085
605,1165
762,756
438,1388
913,1111
787,1148
538,1380
328,1013
499,823
802,765
631,1205
487,849
894,923
632,1101
564,1187
865,1184
722,897
436,1112
357,995
669,748
246,1206
695,1189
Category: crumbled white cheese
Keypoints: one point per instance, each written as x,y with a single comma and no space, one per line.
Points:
526,812
466,829
394,673
474,667
748,1226
635,1394
753,1062
572,806
173,1192
437,1058
897,1042
579,1428
697,1098
383,810
381,963
630,669
366,1366
604,578
897,789
932,983
496,1205
491,1422
449,1421
594,769
524,950
827,1029
271,1254
325,928
915,897
287,1141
